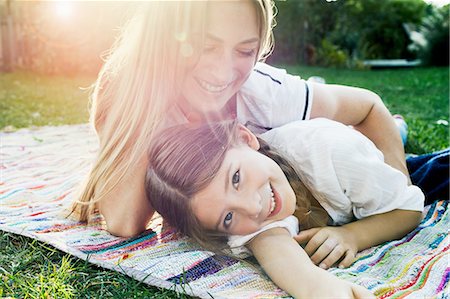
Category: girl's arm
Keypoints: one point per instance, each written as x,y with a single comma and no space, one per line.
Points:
290,268
366,112
330,245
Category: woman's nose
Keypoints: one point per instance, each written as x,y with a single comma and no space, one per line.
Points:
222,67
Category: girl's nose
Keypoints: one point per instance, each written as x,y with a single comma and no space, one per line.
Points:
251,206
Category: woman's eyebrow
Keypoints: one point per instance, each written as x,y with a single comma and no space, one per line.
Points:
246,41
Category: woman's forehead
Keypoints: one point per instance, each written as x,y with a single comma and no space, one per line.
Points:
238,17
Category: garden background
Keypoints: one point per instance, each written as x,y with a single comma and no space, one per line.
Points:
51,52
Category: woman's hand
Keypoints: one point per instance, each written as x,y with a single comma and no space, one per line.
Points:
327,246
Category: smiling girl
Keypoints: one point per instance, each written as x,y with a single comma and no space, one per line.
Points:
219,183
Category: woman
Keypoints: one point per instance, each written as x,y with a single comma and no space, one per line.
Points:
196,61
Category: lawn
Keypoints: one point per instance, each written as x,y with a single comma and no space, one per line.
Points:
31,269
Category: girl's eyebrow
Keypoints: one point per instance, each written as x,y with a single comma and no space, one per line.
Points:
247,41
227,185
218,222
227,177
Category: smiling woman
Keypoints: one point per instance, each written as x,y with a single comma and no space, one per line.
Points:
227,60
175,62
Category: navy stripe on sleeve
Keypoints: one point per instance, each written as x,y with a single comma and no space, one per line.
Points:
268,75
306,101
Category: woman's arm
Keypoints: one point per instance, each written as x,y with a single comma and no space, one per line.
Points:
366,112
330,245
126,209
290,268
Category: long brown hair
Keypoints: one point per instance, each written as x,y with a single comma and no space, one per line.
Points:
184,159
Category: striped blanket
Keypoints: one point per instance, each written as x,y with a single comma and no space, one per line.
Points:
40,172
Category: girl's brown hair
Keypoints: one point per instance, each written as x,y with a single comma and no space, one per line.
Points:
184,159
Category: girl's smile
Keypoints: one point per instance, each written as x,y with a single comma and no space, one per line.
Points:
249,191
276,203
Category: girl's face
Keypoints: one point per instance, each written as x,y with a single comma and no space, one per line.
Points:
249,191
228,56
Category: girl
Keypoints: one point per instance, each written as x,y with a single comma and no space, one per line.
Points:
194,61
219,182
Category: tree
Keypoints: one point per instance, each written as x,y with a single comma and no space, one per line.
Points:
364,29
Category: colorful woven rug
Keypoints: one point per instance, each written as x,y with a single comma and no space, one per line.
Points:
40,171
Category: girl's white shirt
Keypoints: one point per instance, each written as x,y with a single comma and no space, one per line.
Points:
268,99
344,170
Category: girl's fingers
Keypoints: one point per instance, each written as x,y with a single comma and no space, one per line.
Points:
336,254
305,235
315,243
348,260
323,251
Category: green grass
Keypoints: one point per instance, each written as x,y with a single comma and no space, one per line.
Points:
31,269
28,99
421,95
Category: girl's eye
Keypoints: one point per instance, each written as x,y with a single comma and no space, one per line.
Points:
236,179
227,220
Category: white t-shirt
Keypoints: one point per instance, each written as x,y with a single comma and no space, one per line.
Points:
268,99
345,171
271,98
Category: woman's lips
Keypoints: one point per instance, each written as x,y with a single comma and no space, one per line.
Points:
212,88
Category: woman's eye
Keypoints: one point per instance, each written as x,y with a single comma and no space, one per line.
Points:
227,220
236,179
208,48
247,52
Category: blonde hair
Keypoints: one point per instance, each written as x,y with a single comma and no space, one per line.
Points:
139,81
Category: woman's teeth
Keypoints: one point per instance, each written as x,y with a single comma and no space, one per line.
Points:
272,199
212,88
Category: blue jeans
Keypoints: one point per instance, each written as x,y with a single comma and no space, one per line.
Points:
430,172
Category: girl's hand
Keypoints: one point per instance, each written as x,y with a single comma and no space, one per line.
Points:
329,286
327,246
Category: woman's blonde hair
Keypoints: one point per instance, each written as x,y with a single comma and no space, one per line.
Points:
139,81
184,159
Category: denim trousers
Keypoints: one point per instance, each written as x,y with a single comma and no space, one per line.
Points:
430,172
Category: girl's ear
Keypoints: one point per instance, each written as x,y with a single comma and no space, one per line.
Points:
248,137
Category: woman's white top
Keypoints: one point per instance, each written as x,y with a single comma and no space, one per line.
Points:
271,98
345,172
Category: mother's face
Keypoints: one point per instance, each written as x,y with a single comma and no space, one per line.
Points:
228,56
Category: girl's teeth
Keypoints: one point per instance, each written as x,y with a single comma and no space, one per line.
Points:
272,198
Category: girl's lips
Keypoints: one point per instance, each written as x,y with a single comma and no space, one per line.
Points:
278,204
